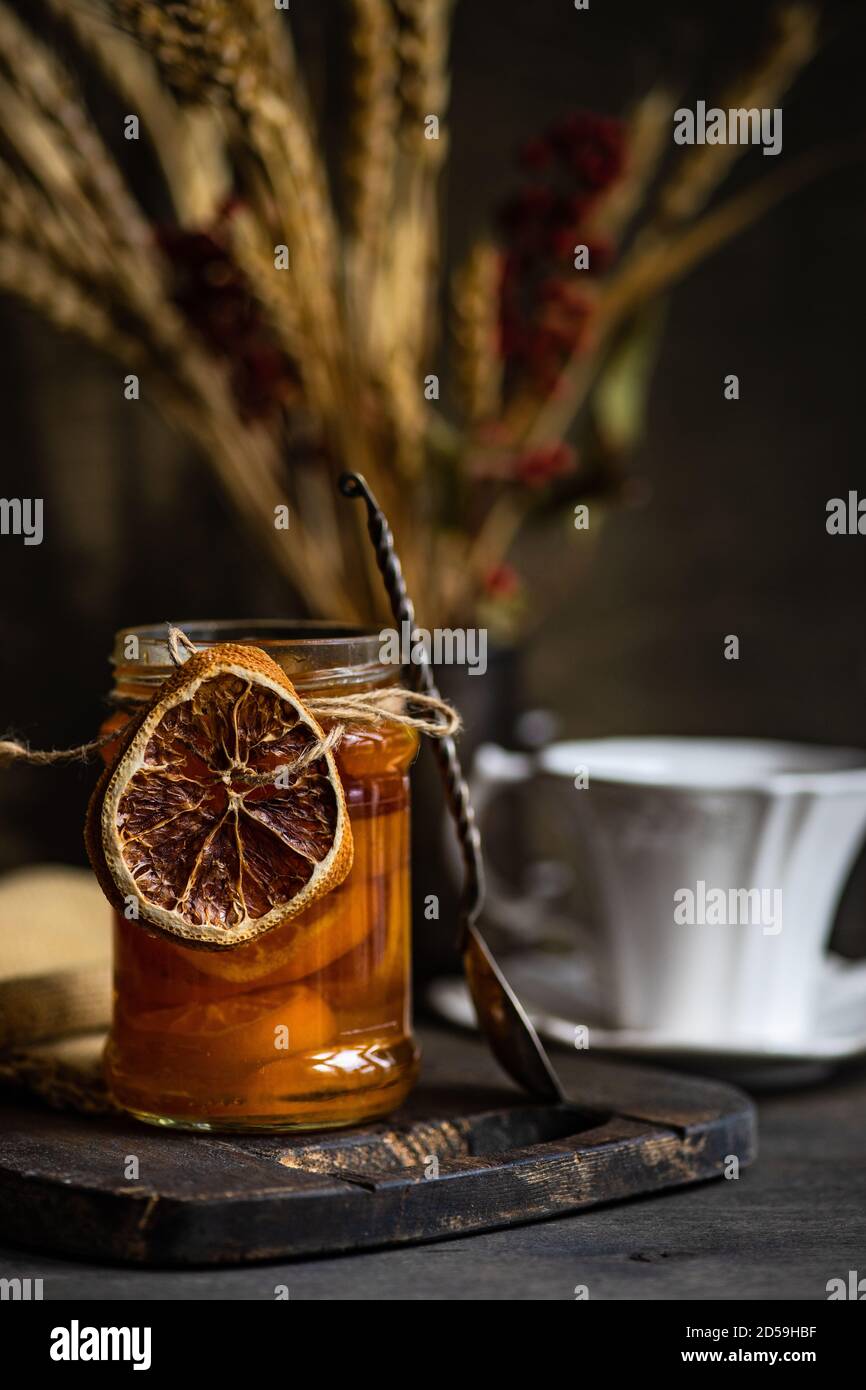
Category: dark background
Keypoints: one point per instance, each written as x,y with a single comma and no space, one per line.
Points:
733,539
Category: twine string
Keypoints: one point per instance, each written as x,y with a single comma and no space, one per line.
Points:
13,751
426,714
176,639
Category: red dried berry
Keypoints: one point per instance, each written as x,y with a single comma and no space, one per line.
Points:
542,465
501,581
212,293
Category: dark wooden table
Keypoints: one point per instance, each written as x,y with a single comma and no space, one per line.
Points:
786,1226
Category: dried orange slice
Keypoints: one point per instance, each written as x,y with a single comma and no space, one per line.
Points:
202,818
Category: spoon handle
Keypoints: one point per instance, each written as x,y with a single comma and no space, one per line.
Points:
444,749
502,1018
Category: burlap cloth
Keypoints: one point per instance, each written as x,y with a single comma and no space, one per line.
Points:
55,986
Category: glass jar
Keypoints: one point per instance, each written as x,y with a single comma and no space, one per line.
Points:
309,1025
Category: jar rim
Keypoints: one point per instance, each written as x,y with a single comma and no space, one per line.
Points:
313,653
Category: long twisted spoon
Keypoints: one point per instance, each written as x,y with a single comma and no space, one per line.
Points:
512,1038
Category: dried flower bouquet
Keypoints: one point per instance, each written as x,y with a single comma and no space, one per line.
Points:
288,343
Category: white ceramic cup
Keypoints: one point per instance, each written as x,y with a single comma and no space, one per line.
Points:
719,865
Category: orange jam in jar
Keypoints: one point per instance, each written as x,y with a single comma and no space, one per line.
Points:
308,1025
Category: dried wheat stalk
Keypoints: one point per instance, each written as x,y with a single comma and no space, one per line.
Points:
187,140
648,129
241,56
54,142
475,313
373,127
397,334
43,85
238,54
424,83
32,278
703,167
207,50
425,90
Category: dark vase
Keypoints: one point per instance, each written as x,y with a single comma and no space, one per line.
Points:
489,705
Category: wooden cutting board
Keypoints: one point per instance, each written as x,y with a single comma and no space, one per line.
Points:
467,1153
